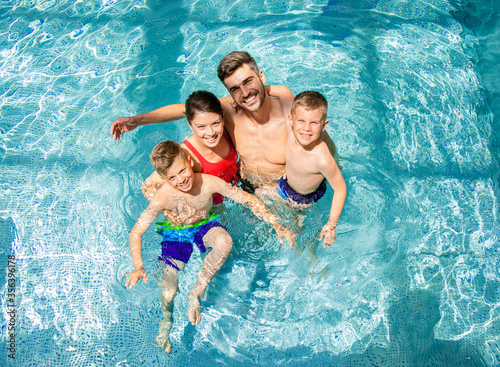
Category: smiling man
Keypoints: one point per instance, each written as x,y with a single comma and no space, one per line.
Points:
256,124
257,127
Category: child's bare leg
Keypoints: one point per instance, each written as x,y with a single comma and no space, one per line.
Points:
221,243
168,284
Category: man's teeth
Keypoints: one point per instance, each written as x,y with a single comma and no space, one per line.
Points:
248,100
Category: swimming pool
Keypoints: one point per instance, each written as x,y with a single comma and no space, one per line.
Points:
413,277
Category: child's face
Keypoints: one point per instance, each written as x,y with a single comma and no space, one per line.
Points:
208,128
180,174
307,125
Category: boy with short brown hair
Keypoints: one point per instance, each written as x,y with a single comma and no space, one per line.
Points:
189,191
309,163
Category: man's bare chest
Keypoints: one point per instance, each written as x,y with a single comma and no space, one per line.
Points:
261,136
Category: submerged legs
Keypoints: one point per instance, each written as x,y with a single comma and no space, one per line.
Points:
221,243
168,284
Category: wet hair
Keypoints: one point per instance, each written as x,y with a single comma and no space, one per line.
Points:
311,100
202,101
233,61
164,154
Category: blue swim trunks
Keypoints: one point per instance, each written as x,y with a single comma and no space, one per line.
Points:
287,193
178,241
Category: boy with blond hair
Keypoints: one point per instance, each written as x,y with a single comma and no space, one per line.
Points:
309,163
186,190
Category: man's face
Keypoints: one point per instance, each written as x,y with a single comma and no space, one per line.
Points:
246,88
180,174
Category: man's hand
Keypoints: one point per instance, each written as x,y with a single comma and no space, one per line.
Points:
122,125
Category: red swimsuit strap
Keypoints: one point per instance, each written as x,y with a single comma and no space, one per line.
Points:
225,168
194,151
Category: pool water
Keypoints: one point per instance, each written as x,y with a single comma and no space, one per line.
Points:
414,276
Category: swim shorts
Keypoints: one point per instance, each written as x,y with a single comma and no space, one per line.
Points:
287,193
245,184
178,241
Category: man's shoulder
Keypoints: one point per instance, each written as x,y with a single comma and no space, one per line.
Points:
284,101
280,110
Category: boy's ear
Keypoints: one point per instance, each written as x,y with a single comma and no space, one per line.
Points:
324,125
190,160
262,77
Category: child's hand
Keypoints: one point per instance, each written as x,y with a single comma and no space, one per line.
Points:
329,232
149,189
284,233
134,277
233,104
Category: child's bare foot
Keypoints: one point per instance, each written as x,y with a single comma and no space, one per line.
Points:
163,342
163,337
194,313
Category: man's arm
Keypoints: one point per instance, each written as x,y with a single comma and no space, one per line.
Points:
135,242
164,114
329,169
285,96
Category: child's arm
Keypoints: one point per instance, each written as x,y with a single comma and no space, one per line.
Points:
259,209
329,142
284,94
329,169
163,114
151,185
135,242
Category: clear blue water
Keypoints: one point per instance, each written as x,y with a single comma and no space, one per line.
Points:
414,276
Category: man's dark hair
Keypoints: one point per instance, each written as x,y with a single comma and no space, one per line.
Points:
233,61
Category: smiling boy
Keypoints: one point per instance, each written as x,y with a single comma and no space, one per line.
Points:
309,163
183,190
